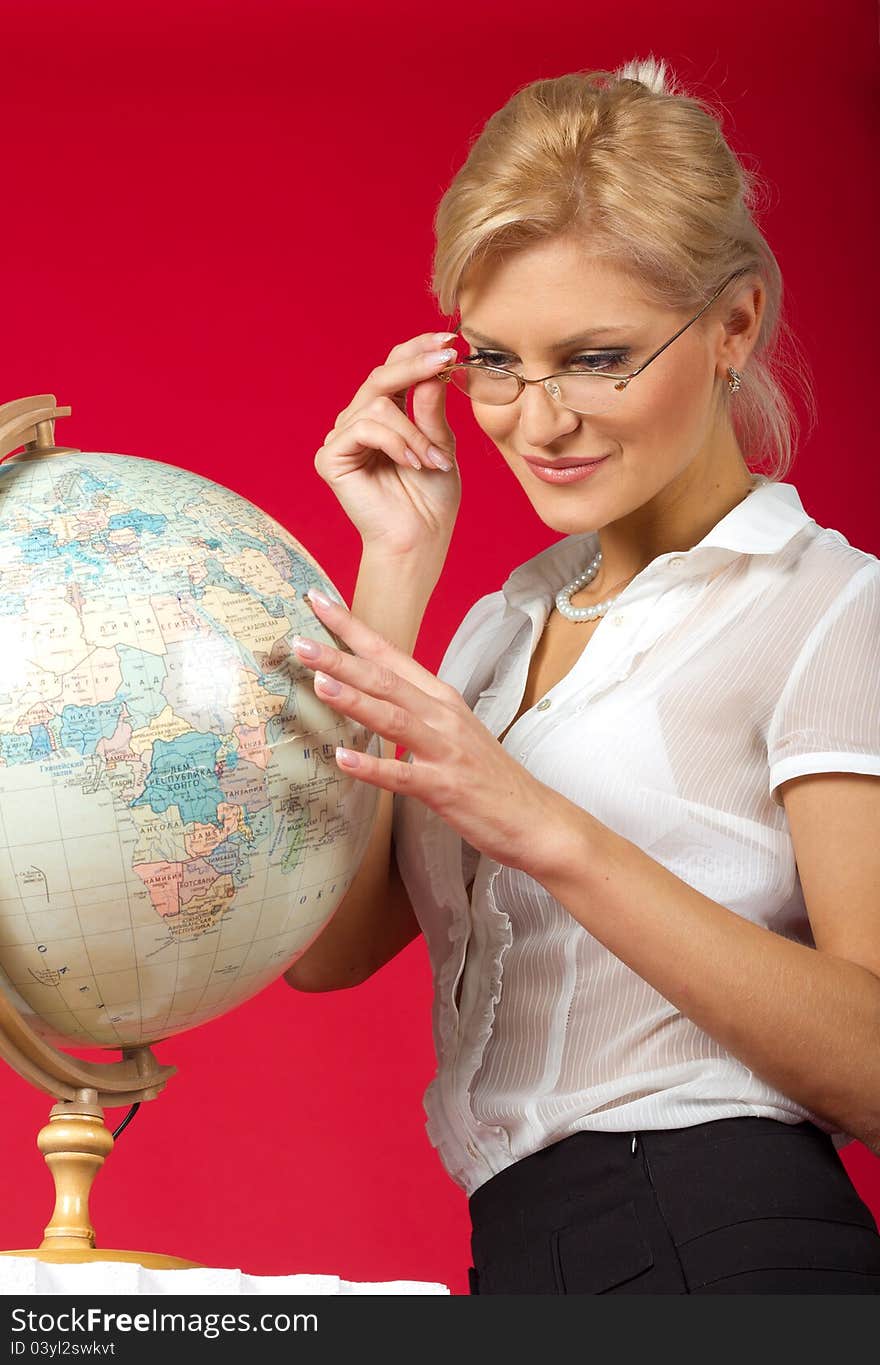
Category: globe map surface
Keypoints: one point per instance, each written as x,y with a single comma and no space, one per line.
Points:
174,827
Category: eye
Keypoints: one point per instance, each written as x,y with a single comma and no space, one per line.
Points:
590,361
485,357
599,360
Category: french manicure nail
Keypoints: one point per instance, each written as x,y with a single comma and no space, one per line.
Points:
307,648
315,595
438,458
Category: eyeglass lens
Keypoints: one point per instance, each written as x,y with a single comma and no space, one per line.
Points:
580,391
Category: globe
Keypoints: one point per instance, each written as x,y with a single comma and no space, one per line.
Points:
174,828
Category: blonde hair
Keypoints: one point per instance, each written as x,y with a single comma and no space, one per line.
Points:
642,172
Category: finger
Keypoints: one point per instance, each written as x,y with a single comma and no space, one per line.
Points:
373,647
401,369
428,396
388,773
405,365
384,410
411,365
418,344
396,376
376,681
388,719
370,433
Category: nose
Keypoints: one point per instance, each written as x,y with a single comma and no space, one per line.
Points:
542,418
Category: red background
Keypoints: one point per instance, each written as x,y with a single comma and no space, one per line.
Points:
216,220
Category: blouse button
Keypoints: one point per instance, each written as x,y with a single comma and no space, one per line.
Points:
618,619
675,561
542,705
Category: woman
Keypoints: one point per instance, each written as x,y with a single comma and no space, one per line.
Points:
637,824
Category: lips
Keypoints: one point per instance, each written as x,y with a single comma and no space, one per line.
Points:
565,473
564,464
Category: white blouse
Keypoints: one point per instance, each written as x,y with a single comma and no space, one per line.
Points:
718,673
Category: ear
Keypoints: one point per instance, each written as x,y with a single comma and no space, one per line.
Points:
741,324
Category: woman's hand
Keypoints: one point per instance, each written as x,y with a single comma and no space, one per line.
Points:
401,507
458,768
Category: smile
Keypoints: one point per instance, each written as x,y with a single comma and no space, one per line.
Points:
570,474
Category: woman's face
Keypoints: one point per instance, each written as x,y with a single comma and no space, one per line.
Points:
666,430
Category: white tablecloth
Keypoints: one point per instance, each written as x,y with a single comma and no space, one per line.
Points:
24,1275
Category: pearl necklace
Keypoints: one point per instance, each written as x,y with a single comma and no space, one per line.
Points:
563,597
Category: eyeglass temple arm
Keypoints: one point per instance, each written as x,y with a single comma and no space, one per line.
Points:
626,378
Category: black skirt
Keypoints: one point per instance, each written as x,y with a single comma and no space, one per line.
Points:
733,1206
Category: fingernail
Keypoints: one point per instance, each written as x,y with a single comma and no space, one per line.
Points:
348,757
307,648
444,336
438,458
315,595
328,685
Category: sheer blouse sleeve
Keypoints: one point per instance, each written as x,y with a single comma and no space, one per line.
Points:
827,718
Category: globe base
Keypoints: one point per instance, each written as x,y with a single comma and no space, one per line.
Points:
75,1143
153,1260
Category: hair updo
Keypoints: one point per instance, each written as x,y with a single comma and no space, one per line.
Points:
642,171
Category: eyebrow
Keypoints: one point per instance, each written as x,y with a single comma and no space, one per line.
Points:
580,338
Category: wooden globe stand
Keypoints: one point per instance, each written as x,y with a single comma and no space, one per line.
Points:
75,1142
